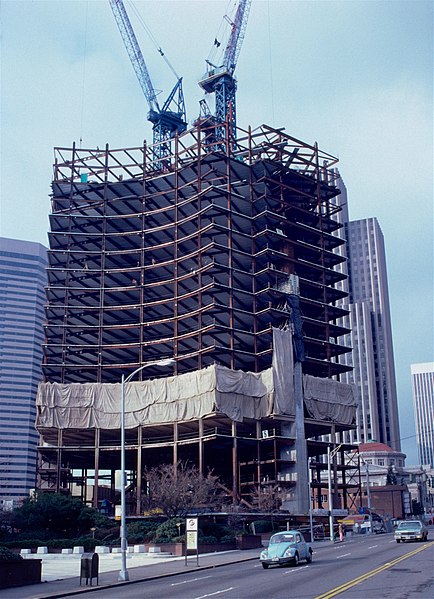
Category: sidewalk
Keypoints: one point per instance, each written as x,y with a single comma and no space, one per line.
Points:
61,573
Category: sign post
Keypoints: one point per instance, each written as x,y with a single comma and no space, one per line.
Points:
191,534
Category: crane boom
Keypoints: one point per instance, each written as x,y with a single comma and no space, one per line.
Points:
238,33
134,52
220,80
171,118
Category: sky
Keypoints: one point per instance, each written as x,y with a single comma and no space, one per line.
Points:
354,75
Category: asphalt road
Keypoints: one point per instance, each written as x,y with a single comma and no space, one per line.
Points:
371,567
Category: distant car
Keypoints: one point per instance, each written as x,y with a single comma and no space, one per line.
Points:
287,547
411,530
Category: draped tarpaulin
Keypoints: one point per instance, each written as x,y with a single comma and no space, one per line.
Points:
283,371
173,399
193,395
327,399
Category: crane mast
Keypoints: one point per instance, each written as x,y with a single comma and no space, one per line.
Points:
171,118
220,80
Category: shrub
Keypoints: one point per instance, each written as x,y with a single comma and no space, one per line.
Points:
7,555
167,531
262,526
209,539
25,543
227,539
142,531
214,529
87,542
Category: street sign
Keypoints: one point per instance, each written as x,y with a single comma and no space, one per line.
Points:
191,524
191,537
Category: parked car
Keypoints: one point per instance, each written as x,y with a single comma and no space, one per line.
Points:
287,547
411,530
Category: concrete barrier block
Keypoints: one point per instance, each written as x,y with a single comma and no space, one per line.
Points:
25,551
67,551
78,549
102,549
139,549
116,550
154,550
42,550
130,549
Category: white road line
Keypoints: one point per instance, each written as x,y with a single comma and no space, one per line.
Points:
372,546
344,555
293,571
175,584
216,593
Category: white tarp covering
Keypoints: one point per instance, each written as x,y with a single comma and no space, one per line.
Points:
327,399
173,399
283,371
193,395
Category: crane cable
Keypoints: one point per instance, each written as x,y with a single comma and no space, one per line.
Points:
270,54
83,81
153,39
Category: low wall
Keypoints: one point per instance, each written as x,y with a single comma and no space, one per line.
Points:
17,574
248,541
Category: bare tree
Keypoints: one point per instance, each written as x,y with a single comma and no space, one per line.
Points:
267,498
179,489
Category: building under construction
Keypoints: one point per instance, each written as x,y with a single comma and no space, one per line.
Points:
220,255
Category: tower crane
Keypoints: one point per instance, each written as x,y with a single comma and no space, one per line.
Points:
220,80
169,119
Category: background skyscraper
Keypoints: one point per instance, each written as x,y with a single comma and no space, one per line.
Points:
22,298
373,361
371,331
422,378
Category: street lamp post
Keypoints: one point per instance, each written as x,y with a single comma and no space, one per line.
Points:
368,494
368,491
330,455
123,574
310,489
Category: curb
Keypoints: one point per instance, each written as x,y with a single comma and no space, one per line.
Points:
90,589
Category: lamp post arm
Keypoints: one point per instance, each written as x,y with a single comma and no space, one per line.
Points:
123,574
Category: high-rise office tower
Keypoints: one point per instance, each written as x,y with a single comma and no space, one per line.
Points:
216,259
22,298
371,336
422,378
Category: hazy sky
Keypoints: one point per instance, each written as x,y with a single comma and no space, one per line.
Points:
355,76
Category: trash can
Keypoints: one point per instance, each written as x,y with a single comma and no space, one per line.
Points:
89,568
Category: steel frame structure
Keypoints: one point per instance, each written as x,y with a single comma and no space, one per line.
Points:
192,262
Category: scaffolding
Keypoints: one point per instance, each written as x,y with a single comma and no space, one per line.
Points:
191,259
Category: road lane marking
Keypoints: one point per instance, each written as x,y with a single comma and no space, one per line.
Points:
294,570
216,593
174,584
372,546
351,583
344,555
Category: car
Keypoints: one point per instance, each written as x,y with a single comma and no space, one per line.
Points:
286,547
411,530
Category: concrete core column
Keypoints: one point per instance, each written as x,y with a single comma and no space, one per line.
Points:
139,472
96,477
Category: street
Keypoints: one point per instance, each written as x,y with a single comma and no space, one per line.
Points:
368,567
